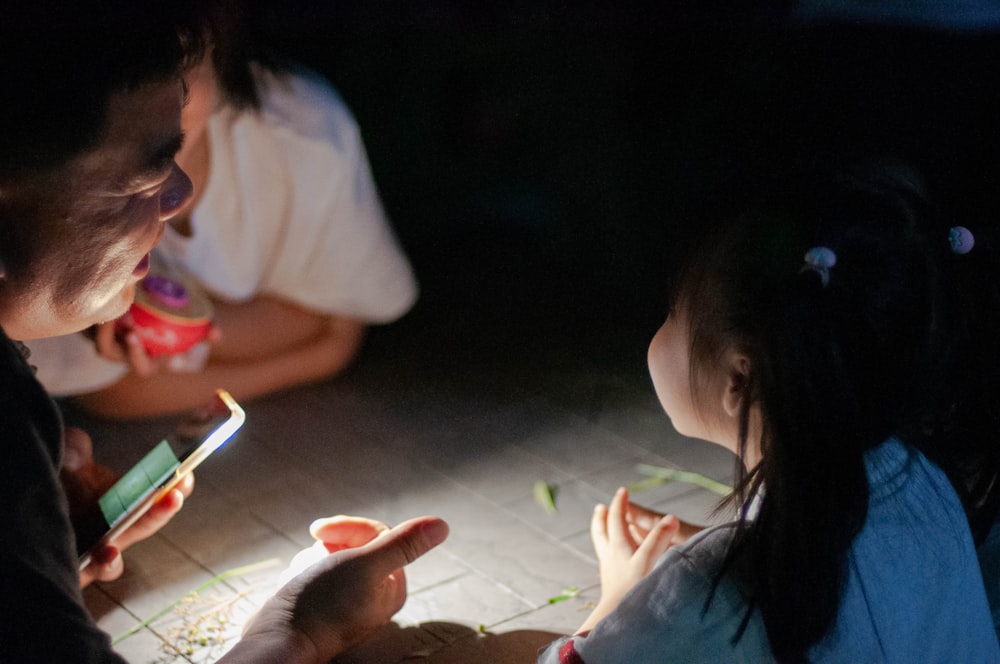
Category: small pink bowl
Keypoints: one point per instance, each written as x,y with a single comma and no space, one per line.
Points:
169,316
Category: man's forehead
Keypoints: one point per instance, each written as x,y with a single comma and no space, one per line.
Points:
141,136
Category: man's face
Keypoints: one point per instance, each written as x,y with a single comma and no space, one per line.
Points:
109,207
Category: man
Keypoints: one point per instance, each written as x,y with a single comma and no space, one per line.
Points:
91,125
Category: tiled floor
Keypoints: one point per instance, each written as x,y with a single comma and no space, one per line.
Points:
412,429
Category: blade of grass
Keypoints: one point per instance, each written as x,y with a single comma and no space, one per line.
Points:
567,593
658,475
545,495
228,574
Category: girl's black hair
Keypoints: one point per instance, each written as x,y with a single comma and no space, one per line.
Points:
882,350
234,29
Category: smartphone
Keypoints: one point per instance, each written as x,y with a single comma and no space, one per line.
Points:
205,431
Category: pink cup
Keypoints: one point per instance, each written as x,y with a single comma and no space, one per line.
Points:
170,316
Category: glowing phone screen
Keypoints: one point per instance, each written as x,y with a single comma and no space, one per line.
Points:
136,484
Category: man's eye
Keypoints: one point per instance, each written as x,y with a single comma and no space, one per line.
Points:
152,190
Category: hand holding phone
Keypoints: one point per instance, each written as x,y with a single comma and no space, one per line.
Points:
161,470
107,560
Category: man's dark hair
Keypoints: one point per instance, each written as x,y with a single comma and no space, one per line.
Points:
61,61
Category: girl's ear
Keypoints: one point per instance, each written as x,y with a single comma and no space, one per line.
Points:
737,381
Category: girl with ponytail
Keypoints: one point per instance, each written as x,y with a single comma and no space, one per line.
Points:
826,338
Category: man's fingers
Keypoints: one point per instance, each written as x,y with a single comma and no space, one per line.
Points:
186,485
405,543
149,523
106,564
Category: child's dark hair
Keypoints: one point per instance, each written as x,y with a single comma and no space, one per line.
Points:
878,345
234,29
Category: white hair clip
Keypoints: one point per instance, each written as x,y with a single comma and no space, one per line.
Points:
961,240
820,260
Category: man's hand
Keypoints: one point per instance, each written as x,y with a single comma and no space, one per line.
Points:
84,481
355,587
106,563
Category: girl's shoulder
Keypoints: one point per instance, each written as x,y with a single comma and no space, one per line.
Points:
302,101
697,563
708,547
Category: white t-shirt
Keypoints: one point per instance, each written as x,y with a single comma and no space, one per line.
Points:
290,210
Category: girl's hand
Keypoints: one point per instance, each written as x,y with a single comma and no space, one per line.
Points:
626,551
130,350
642,519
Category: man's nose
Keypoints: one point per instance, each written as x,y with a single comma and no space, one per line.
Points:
176,192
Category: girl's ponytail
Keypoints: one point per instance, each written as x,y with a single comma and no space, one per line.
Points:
837,293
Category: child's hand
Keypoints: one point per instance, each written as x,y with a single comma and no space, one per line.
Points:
126,348
642,519
626,551
130,350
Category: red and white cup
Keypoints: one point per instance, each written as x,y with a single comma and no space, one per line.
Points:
169,314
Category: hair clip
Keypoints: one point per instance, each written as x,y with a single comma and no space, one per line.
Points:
820,260
961,240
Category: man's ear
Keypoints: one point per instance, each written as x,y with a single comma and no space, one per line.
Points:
736,385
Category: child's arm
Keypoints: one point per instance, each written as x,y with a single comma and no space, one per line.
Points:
626,552
267,327
265,345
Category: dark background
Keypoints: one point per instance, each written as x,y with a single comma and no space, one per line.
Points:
546,163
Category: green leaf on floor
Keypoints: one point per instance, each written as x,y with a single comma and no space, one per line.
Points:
567,593
545,496
658,475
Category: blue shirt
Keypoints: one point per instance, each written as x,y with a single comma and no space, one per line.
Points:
989,564
914,592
